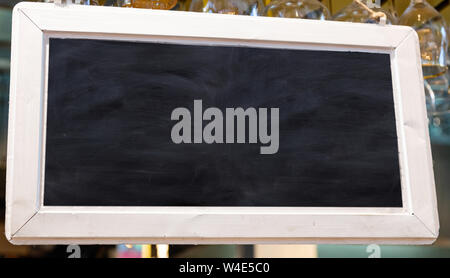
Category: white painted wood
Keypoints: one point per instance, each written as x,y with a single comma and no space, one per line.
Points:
418,166
29,222
156,223
24,121
111,20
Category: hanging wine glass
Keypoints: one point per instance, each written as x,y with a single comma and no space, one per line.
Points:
307,9
389,6
89,2
431,28
183,5
438,106
361,11
242,7
148,4
432,31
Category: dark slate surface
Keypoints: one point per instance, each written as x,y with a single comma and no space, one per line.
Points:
108,131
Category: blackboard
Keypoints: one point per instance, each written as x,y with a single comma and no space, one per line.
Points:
108,134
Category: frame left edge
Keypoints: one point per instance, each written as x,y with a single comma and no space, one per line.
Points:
26,62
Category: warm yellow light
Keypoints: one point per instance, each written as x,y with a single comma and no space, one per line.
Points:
162,251
146,251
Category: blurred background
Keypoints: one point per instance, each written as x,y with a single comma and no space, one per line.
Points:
429,18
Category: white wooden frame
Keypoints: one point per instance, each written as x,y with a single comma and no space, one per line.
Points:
28,221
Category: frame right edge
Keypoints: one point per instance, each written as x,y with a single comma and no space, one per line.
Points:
414,122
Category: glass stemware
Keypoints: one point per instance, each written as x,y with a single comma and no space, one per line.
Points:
148,4
239,7
432,31
306,9
431,28
356,12
183,5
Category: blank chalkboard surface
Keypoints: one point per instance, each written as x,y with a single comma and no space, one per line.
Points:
255,130
109,125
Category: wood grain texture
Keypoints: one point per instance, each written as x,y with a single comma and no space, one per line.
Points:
108,130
